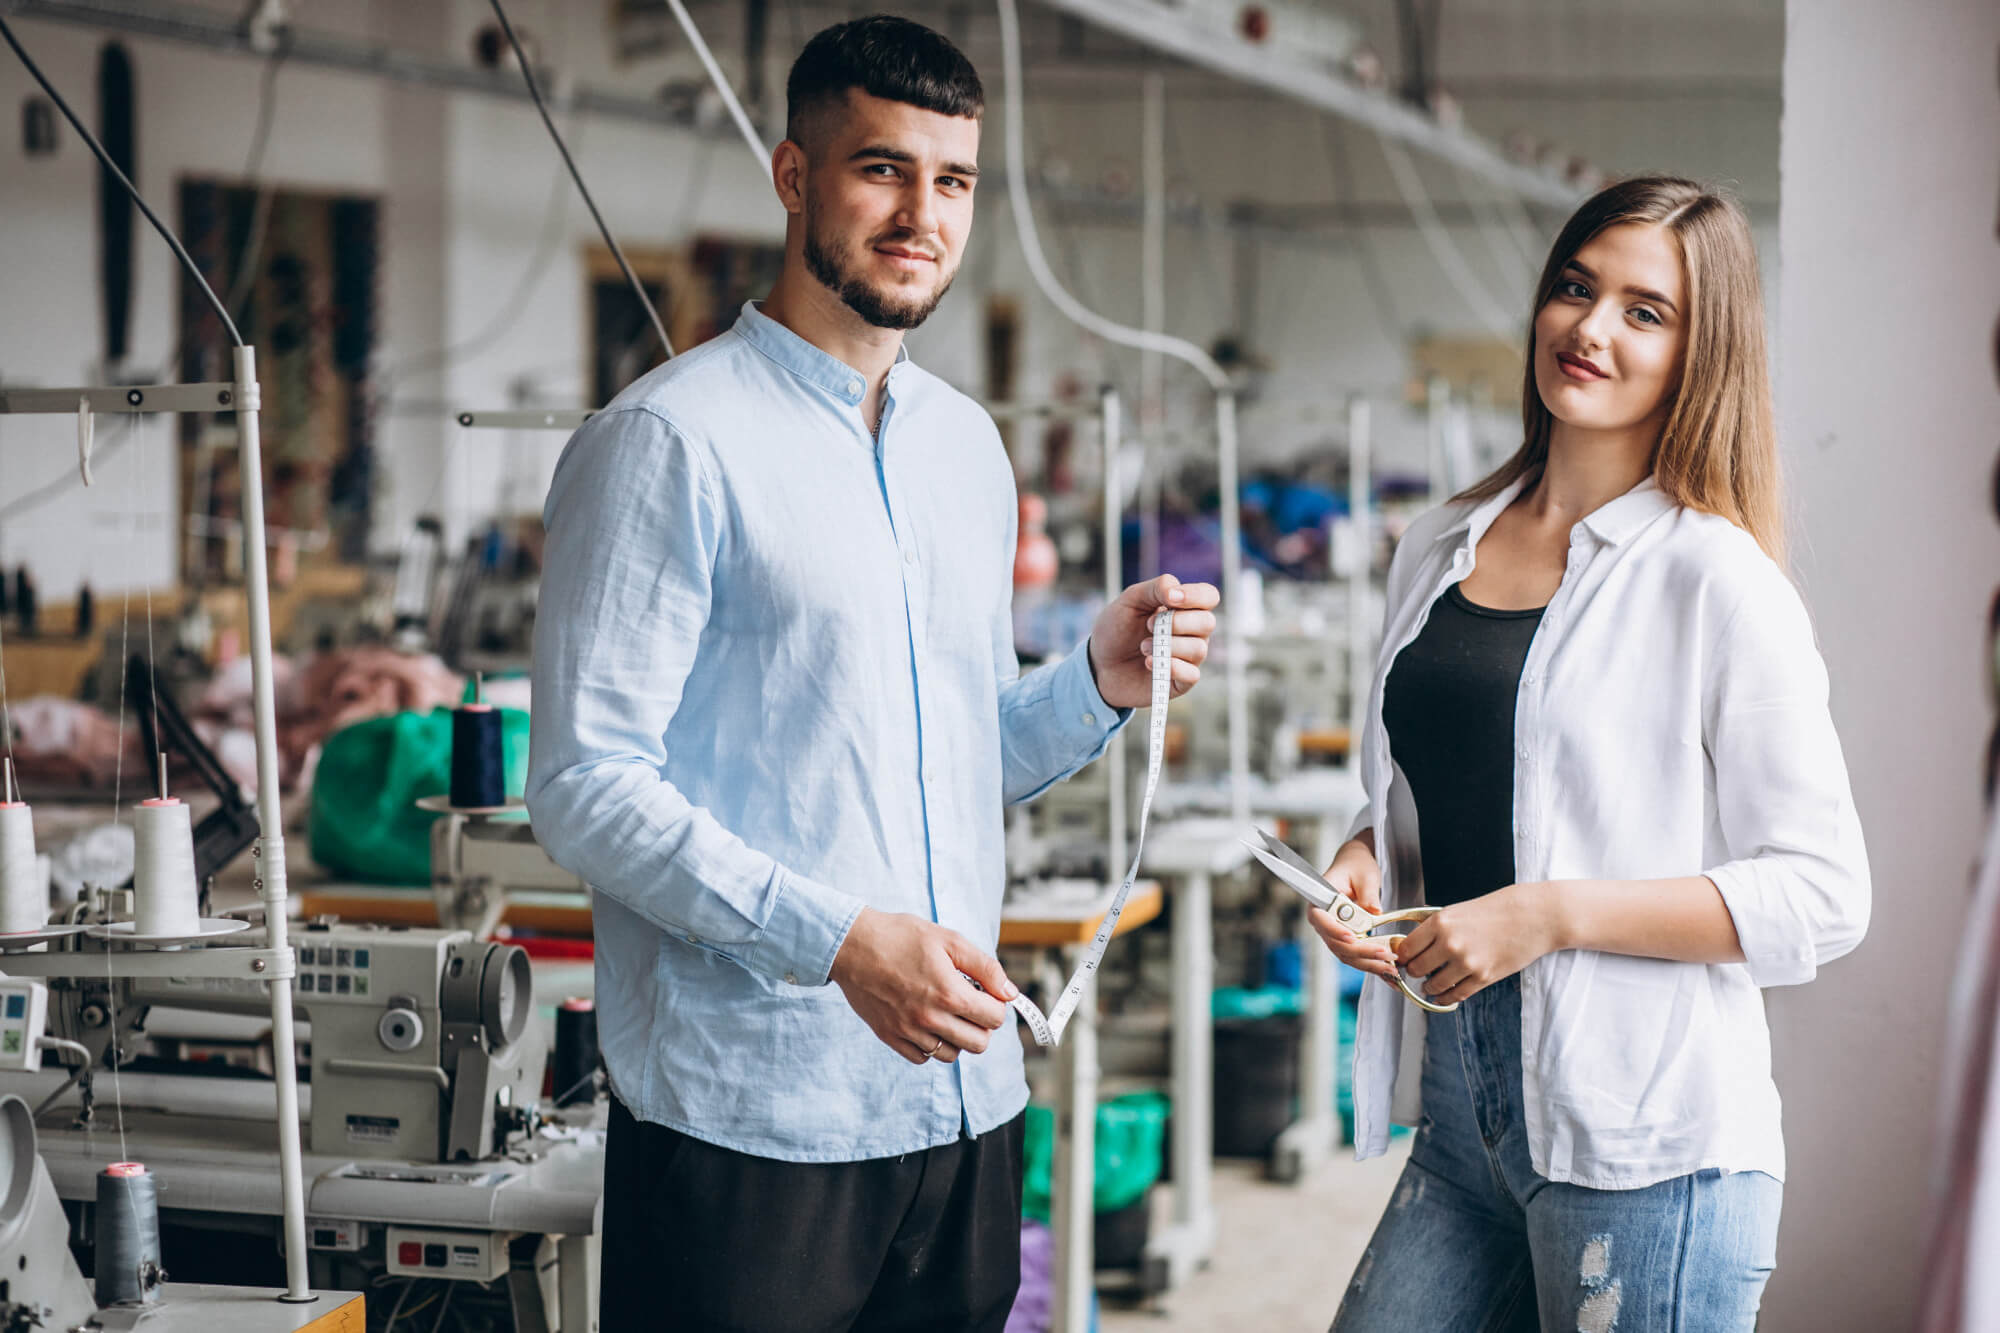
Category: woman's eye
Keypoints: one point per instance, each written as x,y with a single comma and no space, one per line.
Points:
1575,290
1645,315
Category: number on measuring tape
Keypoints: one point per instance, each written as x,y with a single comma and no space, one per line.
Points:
1048,1029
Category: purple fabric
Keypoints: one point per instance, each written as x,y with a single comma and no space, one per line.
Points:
1034,1307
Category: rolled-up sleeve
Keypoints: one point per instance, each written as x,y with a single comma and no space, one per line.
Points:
1797,881
634,528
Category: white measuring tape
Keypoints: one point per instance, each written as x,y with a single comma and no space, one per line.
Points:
1048,1030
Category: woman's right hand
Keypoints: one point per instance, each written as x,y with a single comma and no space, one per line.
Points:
1355,872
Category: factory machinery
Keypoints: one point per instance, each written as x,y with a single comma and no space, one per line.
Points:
429,1154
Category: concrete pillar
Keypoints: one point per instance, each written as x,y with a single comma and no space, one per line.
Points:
1887,399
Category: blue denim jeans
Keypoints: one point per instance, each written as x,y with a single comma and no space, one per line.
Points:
1474,1241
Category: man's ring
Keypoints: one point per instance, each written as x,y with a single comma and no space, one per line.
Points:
935,1049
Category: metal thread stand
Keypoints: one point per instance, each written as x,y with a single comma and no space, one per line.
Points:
274,963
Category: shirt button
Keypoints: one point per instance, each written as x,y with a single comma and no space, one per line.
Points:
854,386
791,979
1090,719
1521,752
694,939
909,557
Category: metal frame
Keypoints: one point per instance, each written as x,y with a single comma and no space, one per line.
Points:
1178,31
1173,29
560,418
275,961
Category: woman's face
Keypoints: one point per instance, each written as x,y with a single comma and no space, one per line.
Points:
1609,343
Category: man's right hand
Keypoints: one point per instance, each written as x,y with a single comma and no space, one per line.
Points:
906,977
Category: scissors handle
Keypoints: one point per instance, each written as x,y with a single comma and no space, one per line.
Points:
1410,915
1403,981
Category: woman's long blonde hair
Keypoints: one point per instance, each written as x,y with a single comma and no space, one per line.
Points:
1719,449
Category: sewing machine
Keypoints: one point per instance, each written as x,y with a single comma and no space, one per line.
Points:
427,1156
422,1049
485,870
46,1289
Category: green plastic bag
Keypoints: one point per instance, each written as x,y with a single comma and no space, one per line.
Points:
365,824
1131,1140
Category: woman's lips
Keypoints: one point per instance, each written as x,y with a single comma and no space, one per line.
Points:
1579,369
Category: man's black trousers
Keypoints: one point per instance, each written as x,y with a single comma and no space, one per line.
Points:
707,1240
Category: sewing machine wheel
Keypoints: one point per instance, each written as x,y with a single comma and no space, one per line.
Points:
17,1162
506,995
490,985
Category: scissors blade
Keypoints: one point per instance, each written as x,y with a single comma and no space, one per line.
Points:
1284,852
1308,886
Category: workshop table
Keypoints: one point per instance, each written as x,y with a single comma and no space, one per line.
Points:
1067,932
1186,855
1317,804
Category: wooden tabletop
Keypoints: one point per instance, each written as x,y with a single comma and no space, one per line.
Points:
1037,927
416,907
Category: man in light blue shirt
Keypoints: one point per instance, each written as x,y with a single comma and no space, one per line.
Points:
777,718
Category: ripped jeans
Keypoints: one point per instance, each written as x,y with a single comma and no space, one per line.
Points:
1474,1241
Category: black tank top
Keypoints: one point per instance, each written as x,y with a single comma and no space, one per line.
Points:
1448,706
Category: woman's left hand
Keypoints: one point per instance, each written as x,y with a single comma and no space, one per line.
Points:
1468,946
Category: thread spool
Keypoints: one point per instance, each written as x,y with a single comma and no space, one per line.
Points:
128,1236
166,899
24,894
575,1058
478,759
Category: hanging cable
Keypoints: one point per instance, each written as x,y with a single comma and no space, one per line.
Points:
260,209
1031,244
1180,349
1335,142
1442,247
510,311
166,232
1508,258
715,76
604,229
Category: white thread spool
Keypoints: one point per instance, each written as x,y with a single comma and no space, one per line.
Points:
166,900
24,895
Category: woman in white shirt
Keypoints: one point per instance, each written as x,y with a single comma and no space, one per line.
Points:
1599,738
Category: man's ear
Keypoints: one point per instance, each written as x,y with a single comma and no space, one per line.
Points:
788,175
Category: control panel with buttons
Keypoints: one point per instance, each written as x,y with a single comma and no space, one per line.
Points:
472,1256
24,1008
336,1233
327,969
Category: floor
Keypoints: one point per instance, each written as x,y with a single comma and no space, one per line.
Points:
1283,1253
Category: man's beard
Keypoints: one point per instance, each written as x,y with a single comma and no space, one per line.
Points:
877,308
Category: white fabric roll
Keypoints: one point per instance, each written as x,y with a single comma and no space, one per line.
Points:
166,900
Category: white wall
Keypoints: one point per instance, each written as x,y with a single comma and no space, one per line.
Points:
195,113
1889,411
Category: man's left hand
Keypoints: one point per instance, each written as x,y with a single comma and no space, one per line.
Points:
1121,643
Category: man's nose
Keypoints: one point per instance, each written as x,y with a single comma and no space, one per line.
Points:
919,211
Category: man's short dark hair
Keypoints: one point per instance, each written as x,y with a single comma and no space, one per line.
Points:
884,56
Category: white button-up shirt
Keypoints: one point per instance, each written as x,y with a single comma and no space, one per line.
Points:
1671,720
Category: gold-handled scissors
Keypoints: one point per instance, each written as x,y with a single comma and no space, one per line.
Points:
1298,875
